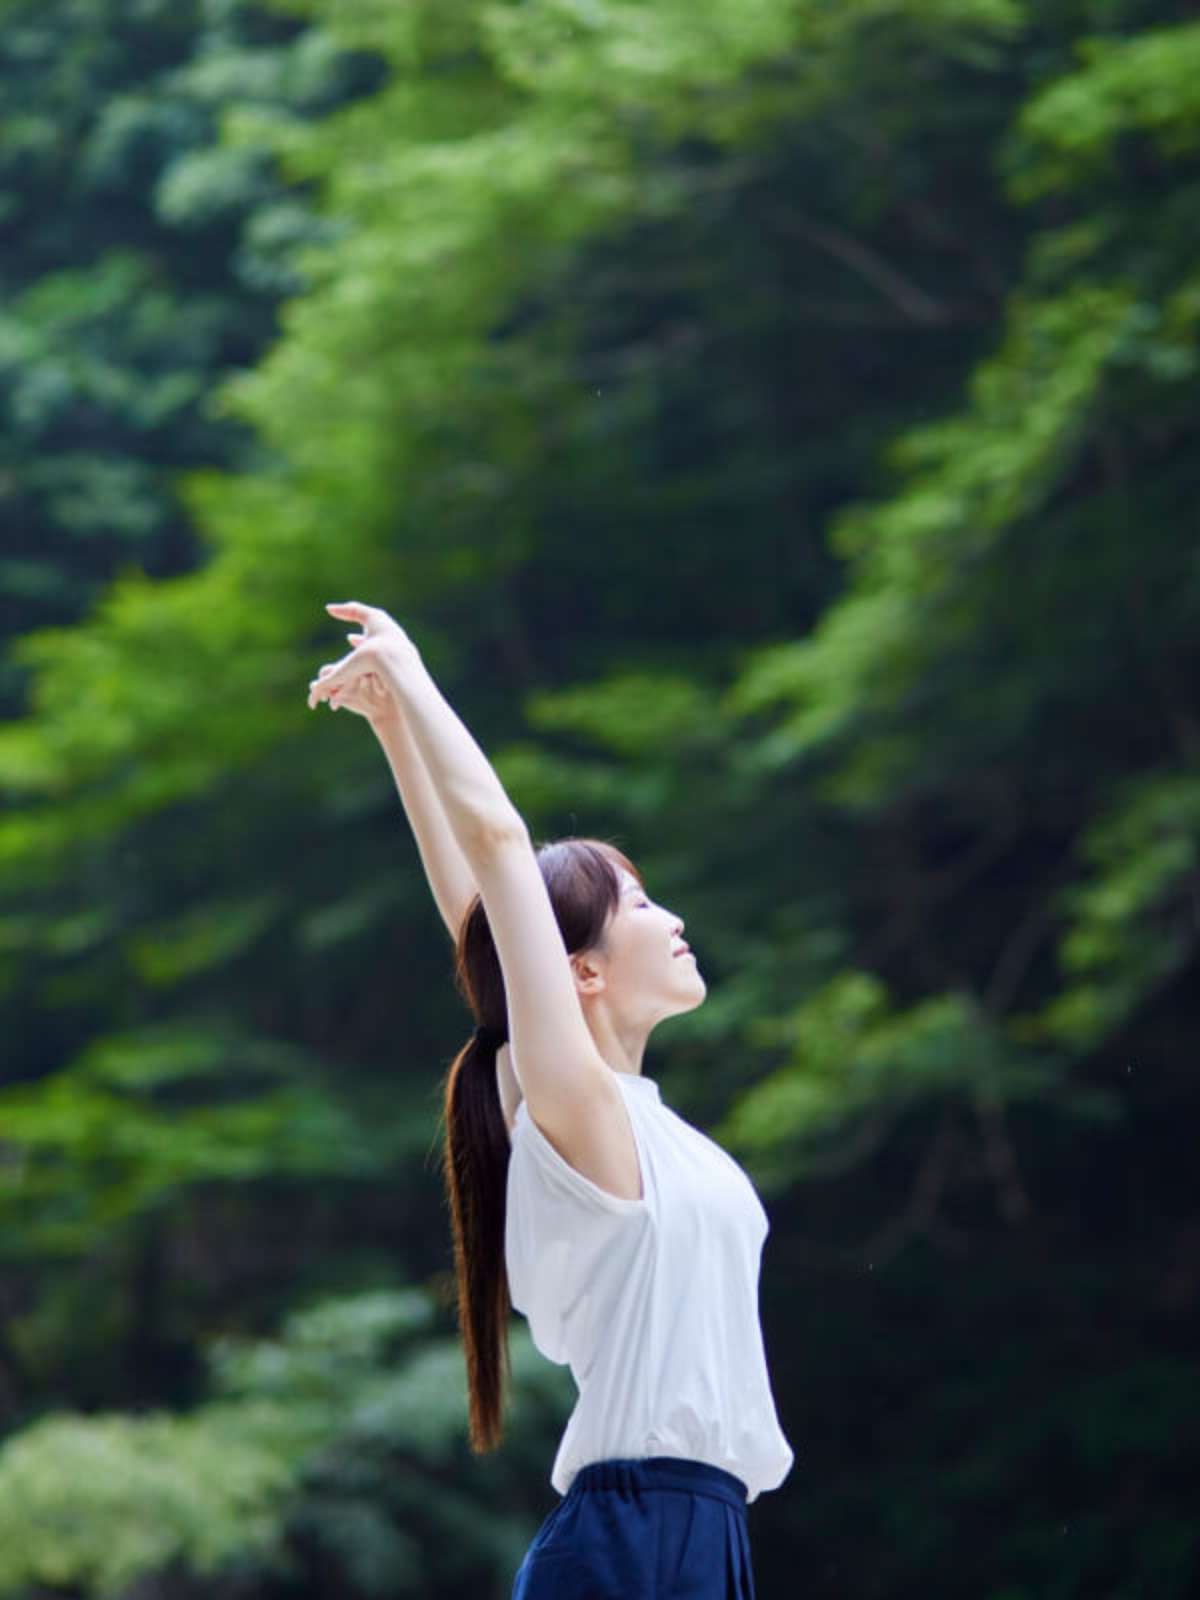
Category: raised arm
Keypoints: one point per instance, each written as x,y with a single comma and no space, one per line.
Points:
570,1088
449,873
451,881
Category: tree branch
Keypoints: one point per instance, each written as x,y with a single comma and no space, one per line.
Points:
908,298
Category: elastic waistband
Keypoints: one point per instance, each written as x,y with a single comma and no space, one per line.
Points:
628,1473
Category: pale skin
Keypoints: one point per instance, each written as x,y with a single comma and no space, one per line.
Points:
574,1020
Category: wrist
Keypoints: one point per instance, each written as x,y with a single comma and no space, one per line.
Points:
396,664
387,720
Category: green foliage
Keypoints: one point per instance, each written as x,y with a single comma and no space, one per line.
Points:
1149,83
925,559
854,1063
141,1115
99,1502
776,425
1131,919
636,715
142,260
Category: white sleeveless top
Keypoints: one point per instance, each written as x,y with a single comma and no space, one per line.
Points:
653,1302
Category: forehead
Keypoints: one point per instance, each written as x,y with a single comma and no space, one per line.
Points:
629,883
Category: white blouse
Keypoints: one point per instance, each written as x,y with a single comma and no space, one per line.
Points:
653,1302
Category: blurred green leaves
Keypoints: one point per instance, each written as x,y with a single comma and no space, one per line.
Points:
140,1117
1149,84
98,1502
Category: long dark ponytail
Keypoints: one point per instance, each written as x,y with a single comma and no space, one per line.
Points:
584,887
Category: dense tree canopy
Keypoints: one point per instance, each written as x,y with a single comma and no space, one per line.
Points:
776,425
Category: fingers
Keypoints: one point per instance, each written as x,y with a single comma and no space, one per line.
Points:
336,673
350,610
364,694
371,619
346,677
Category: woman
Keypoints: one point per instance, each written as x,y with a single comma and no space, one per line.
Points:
629,1240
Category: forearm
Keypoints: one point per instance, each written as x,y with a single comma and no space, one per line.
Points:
470,796
451,880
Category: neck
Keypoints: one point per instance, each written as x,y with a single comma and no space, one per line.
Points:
621,1045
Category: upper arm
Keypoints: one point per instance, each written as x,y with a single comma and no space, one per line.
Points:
455,916
567,1084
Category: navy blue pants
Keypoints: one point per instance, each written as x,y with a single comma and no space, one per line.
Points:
652,1529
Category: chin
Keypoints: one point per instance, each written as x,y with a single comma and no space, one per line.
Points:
692,996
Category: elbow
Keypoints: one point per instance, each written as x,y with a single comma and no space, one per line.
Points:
492,835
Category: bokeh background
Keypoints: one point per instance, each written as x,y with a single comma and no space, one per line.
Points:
776,422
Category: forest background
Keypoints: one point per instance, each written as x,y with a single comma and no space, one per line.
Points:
776,424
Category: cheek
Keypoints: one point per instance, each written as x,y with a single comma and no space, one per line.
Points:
642,952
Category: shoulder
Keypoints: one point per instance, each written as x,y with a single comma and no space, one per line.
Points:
597,1161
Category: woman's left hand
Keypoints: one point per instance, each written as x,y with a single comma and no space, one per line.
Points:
382,649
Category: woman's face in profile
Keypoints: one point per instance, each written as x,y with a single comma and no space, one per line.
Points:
648,964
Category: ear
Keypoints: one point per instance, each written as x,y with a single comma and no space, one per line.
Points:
589,979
